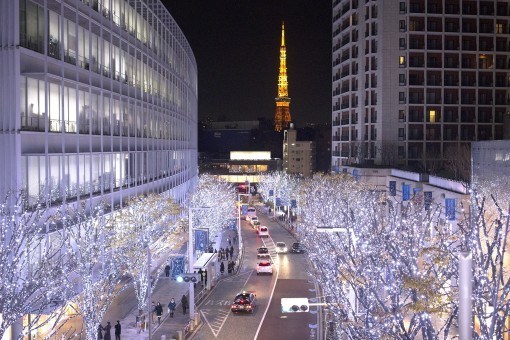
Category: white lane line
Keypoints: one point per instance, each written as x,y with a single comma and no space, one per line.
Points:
270,297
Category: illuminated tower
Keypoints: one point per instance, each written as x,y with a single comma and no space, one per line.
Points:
282,115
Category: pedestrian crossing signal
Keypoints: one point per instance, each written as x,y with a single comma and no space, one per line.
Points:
188,277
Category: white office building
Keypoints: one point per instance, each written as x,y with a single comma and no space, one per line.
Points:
298,156
98,98
413,79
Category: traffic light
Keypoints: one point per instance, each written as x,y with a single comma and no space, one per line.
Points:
295,305
188,277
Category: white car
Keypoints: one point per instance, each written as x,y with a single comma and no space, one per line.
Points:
251,212
264,264
281,248
263,231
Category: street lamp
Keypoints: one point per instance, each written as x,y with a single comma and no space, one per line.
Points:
191,258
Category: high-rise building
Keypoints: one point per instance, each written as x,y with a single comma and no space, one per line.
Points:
98,98
282,114
298,155
414,79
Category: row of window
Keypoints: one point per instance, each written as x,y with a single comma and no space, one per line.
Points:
60,177
77,45
48,106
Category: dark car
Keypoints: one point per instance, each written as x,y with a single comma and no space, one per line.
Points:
243,302
297,248
262,250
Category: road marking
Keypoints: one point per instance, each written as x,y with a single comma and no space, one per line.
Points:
215,317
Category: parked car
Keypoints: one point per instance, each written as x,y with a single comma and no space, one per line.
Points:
263,231
297,248
281,248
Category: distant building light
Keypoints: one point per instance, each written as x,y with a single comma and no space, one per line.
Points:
250,155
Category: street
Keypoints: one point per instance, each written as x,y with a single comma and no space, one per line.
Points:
290,279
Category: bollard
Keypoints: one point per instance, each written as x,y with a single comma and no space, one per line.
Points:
179,335
197,319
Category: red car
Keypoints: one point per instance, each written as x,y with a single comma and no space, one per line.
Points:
243,302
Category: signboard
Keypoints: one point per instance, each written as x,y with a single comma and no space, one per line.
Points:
427,195
201,239
244,209
278,202
406,192
177,264
355,174
271,192
449,204
293,204
393,188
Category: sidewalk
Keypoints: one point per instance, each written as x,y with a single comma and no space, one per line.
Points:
125,310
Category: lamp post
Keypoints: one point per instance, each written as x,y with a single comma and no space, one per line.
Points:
191,259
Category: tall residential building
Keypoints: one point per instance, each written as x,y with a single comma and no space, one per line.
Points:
413,79
98,98
298,156
282,114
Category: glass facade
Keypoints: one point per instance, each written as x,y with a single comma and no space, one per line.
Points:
107,99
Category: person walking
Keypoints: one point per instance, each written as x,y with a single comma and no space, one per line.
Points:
229,241
222,268
226,253
232,252
171,307
153,312
184,302
167,270
201,272
99,332
118,330
107,335
159,312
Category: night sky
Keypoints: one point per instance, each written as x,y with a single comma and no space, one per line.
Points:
237,45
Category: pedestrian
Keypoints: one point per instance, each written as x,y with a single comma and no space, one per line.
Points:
107,335
222,268
159,312
232,252
171,307
226,254
233,266
201,272
153,312
138,321
229,268
143,325
204,274
99,332
118,330
228,240
167,270
184,302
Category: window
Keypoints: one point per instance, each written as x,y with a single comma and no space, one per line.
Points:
402,97
401,79
402,25
402,43
402,61
401,134
401,115
499,28
432,116
402,7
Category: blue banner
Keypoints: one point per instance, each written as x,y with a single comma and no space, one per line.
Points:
201,239
278,202
393,188
271,192
449,204
355,174
427,197
244,209
293,204
232,223
177,265
336,169
406,192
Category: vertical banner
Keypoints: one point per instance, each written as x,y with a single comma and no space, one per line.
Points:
393,188
244,209
201,239
449,204
355,174
427,195
406,192
293,204
271,192
278,201
417,195
177,264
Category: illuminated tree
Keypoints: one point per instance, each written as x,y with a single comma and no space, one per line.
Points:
219,196
31,266
284,186
387,270
146,222
95,269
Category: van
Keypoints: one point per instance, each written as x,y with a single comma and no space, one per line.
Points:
251,212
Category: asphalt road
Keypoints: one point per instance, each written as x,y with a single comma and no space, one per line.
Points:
290,279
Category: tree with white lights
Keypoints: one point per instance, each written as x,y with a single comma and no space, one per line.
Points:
146,223
387,269
283,185
218,195
31,266
95,269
